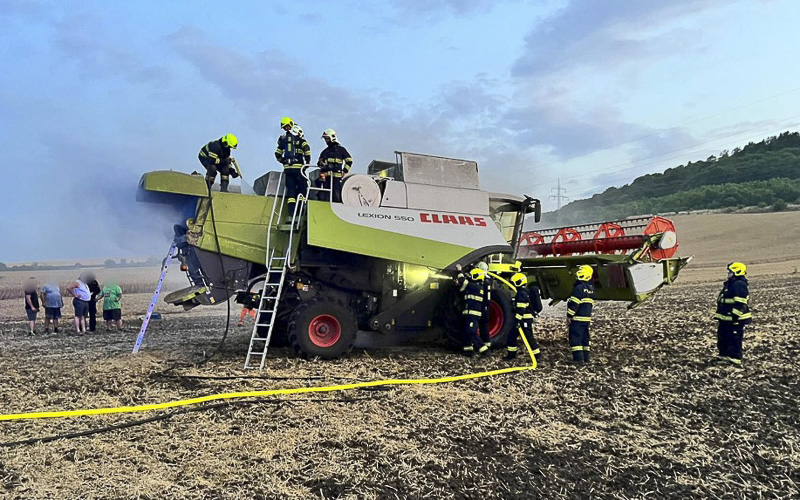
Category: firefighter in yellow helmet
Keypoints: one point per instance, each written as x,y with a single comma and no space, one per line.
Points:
216,157
524,311
473,294
293,152
579,314
733,313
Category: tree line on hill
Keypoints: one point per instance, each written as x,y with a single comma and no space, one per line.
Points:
766,174
35,266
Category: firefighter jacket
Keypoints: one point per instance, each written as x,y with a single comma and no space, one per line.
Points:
579,305
473,294
214,153
335,159
732,302
522,305
292,151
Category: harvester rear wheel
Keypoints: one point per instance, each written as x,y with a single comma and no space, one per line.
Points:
322,327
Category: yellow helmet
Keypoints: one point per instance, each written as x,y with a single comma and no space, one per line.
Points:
286,121
584,273
519,280
477,274
230,141
516,266
737,268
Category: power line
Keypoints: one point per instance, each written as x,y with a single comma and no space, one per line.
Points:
613,168
612,146
558,196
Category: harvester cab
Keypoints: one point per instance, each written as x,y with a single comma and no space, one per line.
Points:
384,259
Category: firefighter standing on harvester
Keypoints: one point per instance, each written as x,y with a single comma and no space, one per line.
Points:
472,293
293,152
216,157
334,162
579,314
733,313
524,307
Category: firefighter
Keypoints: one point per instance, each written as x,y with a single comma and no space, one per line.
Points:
293,152
733,313
524,314
486,311
579,314
472,293
216,157
334,163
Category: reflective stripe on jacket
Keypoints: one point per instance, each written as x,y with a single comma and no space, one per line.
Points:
214,153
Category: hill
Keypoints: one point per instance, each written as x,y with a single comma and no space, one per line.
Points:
763,173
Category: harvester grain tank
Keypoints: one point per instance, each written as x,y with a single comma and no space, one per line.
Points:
383,260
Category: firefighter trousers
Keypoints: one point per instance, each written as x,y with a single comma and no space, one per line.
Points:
224,174
729,340
471,339
296,185
579,340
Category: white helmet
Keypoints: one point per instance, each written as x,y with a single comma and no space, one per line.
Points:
297,131
483,266
330,134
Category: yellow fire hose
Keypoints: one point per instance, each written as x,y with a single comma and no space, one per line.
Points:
261,394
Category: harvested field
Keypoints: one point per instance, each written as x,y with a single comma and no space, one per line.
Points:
650,417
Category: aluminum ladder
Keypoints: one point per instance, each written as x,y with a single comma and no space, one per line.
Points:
277,264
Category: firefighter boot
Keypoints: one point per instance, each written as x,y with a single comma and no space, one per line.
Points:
484,350
468,351
585,354
223,185
511,353
210,181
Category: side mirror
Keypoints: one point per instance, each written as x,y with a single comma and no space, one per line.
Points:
537,207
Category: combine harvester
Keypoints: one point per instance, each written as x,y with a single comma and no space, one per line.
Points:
384,259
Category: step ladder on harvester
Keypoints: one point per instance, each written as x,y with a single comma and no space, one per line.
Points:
277,262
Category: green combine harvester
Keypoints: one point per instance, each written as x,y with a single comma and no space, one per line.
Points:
384,259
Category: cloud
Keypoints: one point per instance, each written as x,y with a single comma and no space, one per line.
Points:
603,34
411,9
80,38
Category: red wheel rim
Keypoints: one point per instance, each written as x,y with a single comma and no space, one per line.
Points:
496,319
324,330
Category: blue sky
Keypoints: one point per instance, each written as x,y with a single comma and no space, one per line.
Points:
94,93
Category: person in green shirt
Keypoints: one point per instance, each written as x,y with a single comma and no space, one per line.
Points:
112,309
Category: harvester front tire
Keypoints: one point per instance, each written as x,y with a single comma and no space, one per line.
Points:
322,327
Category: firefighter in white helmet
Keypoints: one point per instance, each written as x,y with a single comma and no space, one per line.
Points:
579,314
334,162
